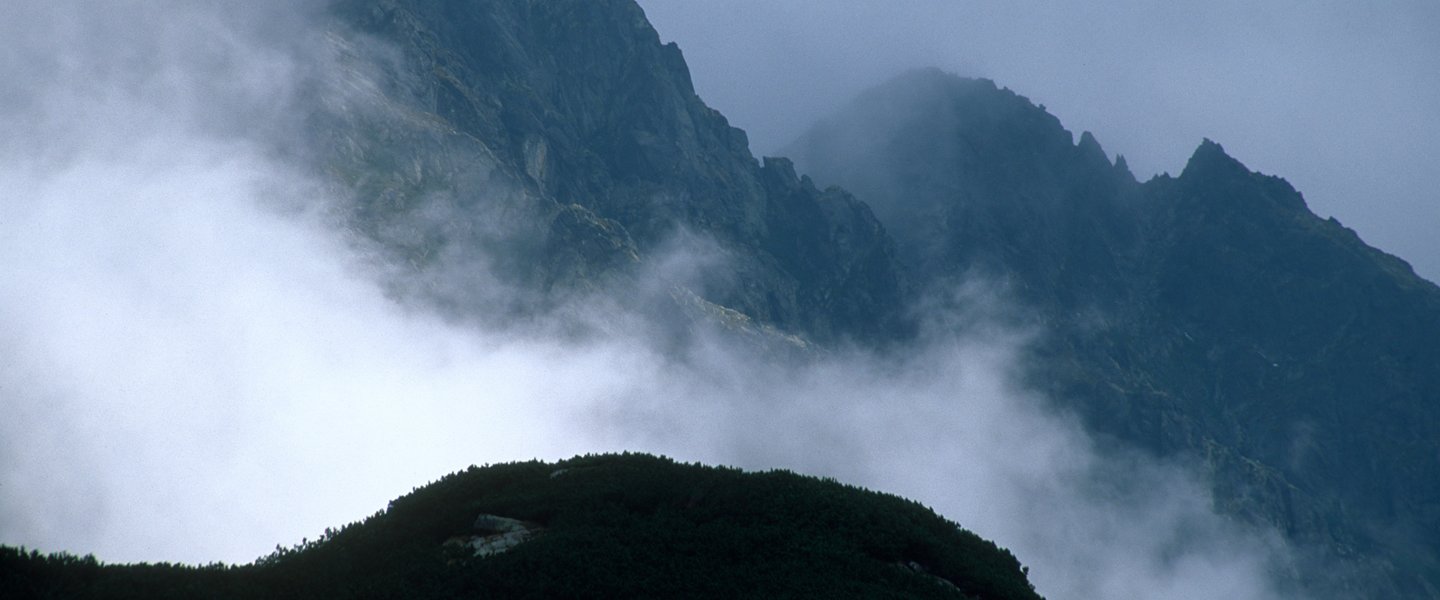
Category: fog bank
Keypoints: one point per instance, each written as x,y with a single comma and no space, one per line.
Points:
200,363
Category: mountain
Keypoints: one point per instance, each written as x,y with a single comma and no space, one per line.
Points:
519,161
1208,315
610,526
559,148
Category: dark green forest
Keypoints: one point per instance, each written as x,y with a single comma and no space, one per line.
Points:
607,526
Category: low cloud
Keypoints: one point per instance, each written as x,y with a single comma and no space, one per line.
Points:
199,364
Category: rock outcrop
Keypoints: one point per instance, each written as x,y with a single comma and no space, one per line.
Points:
495,534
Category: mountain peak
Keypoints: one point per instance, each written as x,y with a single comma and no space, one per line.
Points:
1090,150
1210,159
1222,176
937,76
1122,167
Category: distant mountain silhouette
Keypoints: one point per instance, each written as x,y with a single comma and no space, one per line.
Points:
1210,314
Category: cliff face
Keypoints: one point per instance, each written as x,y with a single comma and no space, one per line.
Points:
566,136
1211,314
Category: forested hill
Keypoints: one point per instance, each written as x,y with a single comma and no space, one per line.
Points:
611,526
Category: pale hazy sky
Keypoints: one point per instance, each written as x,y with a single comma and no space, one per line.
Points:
1340,98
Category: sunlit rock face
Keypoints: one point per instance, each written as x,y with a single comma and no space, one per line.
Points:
1209,315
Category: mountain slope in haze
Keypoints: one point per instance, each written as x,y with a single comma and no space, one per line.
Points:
1210,314
613,526
559,147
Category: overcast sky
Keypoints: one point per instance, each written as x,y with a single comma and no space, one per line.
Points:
1340,98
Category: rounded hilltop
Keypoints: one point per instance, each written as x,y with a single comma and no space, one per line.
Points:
600,526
